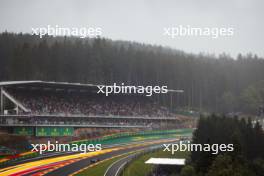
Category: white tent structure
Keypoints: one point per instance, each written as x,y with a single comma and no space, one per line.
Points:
166,161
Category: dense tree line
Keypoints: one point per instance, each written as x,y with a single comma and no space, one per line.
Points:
218,84
247,159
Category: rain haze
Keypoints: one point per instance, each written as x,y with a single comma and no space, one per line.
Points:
144,21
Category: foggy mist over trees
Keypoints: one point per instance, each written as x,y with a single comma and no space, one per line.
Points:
216,84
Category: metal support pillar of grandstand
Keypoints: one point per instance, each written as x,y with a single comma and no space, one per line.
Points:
1,101
12,99
171,102
171,96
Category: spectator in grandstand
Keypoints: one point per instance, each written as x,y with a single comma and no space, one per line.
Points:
76,104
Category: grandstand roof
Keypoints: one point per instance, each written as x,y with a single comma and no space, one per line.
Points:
47,84
57,85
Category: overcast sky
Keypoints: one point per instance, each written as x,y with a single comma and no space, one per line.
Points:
144,20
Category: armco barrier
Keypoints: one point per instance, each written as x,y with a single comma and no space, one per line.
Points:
109,138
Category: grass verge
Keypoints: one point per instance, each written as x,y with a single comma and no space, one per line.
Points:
98,169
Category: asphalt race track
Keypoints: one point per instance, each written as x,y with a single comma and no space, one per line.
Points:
71,163
115,168
69,169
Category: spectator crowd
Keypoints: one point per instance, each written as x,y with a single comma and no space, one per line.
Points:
64,103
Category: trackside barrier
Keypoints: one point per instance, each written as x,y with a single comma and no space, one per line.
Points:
133,134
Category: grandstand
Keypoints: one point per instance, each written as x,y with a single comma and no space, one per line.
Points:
58,108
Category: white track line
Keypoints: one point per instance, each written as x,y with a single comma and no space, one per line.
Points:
120,168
